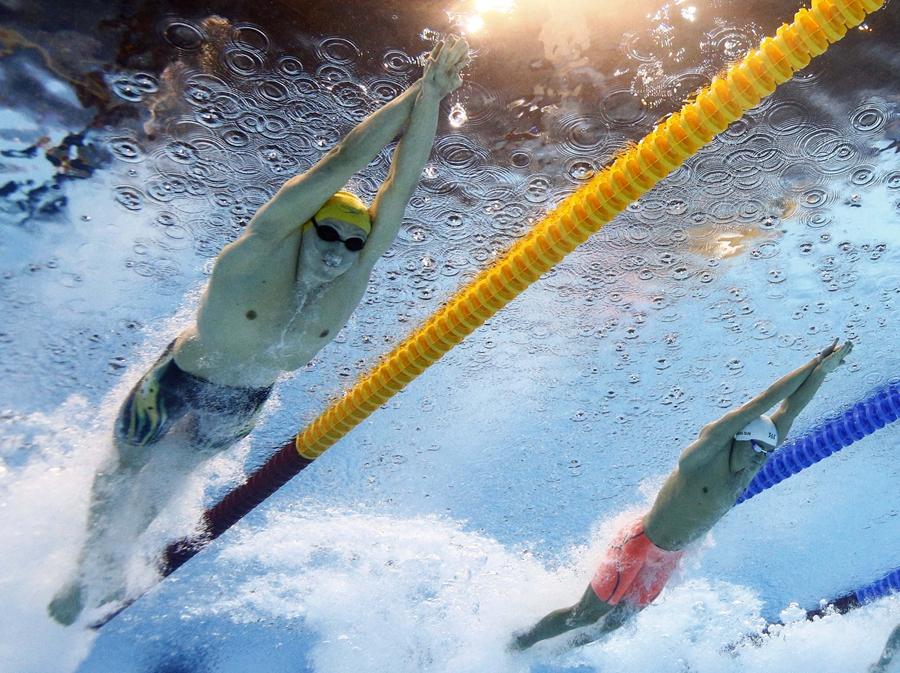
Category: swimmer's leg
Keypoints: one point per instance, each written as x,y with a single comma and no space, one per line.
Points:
107,545
615,619
586,611
116,516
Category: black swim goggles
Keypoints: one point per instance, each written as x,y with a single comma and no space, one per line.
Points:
759,448
330,235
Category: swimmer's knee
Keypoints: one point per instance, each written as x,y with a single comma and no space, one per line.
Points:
589,612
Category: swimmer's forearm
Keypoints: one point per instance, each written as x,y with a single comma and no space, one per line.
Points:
415,147
787,385
796,402
301,196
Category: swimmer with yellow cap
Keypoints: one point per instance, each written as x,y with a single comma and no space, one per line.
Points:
346,207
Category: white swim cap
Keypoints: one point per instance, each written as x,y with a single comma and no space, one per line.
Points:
761,429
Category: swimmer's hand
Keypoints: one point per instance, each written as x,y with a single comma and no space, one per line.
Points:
833,357
443,65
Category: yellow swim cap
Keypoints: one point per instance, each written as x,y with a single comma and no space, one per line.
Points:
346,207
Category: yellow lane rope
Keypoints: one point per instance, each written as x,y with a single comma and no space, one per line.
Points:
739,89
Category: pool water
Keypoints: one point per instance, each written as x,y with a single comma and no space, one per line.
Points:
138,139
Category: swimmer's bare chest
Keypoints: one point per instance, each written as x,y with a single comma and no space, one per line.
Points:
691,501
253,327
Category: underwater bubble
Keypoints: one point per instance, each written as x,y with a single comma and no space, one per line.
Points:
788,117
623,108
133,87
181,152
290,66
349,95
332,74
817,219
816,198
384,90
864,175
397,61
520,158
730,43
272,90
737,131
241,61
870,117
457,116
638,46
459,152
337,50
538,189
481,104
127,150
800,175
250,37
892,180
184,35
580,170
128,196
236,138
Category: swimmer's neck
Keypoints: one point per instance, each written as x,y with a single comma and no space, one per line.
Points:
309,285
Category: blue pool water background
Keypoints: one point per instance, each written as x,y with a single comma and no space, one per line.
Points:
480,497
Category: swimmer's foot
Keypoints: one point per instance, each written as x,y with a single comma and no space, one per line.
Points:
519,642
68,603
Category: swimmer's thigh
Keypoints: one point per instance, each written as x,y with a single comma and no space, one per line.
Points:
590,608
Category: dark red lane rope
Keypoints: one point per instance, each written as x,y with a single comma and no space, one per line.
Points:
273,474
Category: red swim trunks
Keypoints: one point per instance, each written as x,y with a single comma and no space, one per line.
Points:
635,570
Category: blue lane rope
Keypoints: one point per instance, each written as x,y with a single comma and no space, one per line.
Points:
869,593
880,588
861,420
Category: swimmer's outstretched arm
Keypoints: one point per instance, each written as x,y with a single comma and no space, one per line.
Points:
301,196
721,432
828,360
441,77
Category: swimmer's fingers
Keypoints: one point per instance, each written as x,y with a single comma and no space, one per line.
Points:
436,52
836,358
828,350
845,349
459,52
